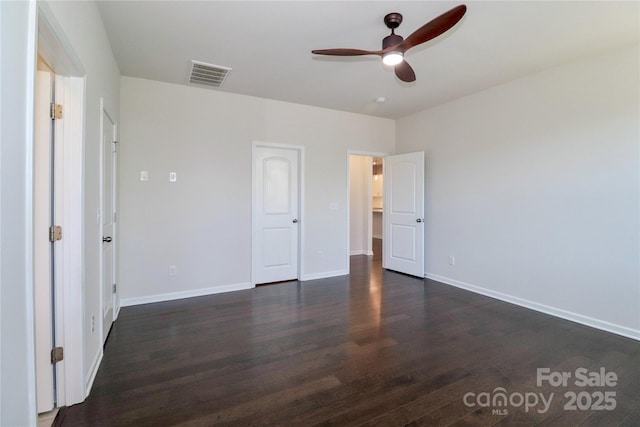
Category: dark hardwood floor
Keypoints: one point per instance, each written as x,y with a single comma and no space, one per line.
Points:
375,348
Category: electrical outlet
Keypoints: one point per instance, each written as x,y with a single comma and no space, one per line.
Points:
452,260
172,270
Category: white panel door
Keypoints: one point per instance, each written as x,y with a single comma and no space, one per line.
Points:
275,214
43,272
108,222
404,213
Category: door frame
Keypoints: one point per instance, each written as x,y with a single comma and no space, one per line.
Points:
114,246
301,192
54,47
348,187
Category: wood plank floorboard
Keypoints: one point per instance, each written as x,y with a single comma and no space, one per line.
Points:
375,348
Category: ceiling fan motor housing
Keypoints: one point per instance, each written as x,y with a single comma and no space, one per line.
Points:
391,40
392,21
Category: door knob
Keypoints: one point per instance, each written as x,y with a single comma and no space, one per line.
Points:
106,239
419,220
295,221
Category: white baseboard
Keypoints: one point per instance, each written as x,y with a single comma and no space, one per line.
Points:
324,275
543,308
126,302
93,372
361,252
116,310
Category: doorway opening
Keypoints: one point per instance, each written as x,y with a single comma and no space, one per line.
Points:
45,242
59,214
378,205
366,202
401,193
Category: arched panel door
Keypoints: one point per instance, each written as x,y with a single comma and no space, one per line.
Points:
404,213
276,215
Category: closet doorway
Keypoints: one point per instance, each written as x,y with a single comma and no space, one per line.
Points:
366,204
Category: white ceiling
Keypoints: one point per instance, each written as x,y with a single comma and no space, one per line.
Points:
268,45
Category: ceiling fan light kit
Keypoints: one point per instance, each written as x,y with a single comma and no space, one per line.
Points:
395,46
392,58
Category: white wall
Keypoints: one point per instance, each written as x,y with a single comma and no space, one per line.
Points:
17,366
82,25
360,216
202,223
533,186
378,224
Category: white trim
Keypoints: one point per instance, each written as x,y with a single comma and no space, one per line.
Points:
361,252
301,197
543,308
100,230
115,309
114,195
370,205
1,199
29,264
59,53
93,371
53,45
71,302
325,275
171,296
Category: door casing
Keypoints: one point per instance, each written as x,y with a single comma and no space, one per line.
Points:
57,51
108,304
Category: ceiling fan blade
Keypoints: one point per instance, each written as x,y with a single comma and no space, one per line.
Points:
405,72
346,52
433,28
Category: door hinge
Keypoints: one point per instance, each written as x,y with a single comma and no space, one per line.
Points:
114,146
55,233
56,111
114,288
57,354
115,217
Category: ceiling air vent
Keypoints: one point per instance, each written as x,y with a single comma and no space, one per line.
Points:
207,74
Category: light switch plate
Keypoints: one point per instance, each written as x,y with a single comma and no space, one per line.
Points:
172,177
144,175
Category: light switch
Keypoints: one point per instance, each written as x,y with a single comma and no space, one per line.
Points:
144,175
172,176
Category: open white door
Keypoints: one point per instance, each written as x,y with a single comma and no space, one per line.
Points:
43,251
404,213
108,222
275,214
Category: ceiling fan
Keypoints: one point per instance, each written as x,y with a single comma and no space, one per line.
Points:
394,46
